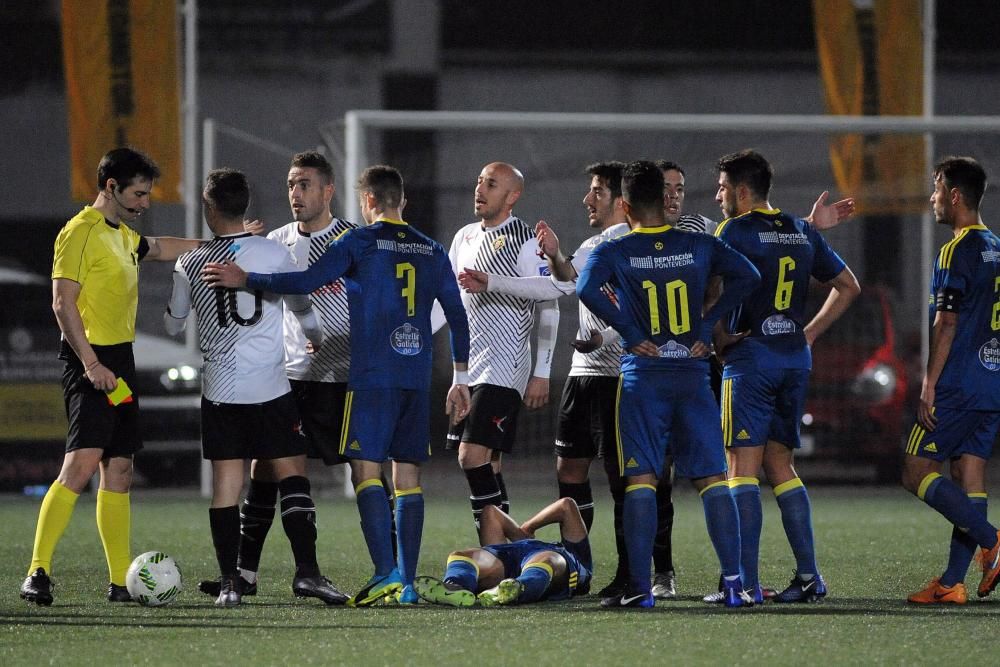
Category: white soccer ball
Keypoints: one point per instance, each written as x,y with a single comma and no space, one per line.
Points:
154,579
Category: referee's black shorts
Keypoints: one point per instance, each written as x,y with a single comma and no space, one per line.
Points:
270,430
93,422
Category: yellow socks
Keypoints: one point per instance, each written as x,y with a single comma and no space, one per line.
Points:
53,517
114,524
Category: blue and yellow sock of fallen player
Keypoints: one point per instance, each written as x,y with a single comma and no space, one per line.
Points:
410,524
723,522
796,517
951,501
639,522
535,578
963,548
376,524
462,571
746,495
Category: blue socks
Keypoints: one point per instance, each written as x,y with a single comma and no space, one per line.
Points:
723,522
950,500
376,524
410,524
796,516
746,494
963,548
462,571
535,577
639,522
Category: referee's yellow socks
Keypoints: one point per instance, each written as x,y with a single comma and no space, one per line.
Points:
114,523
53,517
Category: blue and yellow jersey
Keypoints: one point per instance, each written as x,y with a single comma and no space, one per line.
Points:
967,280
660,276
393,274
787,251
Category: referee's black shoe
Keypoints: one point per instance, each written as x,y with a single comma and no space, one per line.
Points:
213,587
37,588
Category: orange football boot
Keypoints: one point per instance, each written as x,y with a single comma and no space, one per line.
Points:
990,560
935,593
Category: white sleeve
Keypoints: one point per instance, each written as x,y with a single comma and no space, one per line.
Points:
438,319
609,336
529,263
179,307
299,304
547,316
537,288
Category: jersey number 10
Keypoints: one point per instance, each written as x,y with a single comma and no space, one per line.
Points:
225,304
678,316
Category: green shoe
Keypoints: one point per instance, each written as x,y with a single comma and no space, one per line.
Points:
439,592
506,592
377,590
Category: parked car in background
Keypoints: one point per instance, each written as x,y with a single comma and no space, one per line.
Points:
857,402
32,413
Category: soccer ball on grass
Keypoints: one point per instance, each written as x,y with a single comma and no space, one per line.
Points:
154,579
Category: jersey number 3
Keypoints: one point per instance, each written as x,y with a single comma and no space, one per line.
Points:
678,317
408,273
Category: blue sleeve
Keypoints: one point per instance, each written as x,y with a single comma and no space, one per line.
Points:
959,274
827,264
599,270
450,299
739,276
331,265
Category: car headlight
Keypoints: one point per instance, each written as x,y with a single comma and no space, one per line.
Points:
875,384
181,378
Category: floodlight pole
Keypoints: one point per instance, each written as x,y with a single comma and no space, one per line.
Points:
927,222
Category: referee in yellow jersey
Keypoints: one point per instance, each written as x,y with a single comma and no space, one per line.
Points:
95,290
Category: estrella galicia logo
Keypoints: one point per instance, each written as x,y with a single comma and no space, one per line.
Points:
989,355
543,270
674,350
406,340
777,325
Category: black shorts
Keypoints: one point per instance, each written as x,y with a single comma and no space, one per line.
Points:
270,430
586,427
93,422
321,407
492,419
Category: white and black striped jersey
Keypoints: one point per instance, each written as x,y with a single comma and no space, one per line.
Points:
606,360
240,332
333,361
693,222
500,324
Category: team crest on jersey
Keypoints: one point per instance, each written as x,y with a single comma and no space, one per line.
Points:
544,270
674,350
776,325
401,235
499,242
658,245
989,355
406,340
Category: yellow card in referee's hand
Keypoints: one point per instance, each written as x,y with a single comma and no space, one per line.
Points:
122,393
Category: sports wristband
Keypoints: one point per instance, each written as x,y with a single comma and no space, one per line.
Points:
460,377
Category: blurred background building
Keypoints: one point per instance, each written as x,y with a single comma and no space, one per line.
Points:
277,77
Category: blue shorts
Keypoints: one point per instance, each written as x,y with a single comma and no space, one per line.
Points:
764,405
579,563
957,432
382,424
672,413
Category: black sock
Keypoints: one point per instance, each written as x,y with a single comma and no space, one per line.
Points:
584,497
391,499
483,489
256,515
617,485
298,518
662,550
504,498
225,524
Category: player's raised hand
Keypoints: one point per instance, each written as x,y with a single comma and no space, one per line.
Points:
548,242
536,394
457,403
588,345
473,281
827,216
226,274
646,348
255,227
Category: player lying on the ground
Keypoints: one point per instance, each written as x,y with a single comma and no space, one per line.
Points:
513,567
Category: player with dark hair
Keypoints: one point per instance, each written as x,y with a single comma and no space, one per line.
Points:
766,346
660,276
959,411
513,567
95,291
248,412
500,327
393,275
